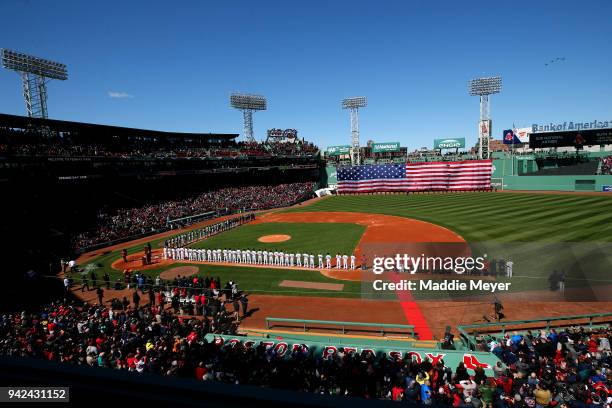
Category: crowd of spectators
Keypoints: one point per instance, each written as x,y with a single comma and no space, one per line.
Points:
128,222
606,165
569,368
35,142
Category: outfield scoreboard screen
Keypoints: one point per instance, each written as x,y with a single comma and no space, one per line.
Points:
577,138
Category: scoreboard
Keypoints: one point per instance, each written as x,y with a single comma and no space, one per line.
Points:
578,138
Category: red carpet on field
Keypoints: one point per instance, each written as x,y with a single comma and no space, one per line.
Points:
412,311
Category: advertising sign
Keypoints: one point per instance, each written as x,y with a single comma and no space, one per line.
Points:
385,147
449,143
338,150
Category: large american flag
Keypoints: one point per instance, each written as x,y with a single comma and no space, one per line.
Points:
447,176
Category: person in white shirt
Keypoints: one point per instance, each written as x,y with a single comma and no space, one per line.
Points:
337,261
265,257
352,261
328,261
291,259
509,265
345,261
320,261
311,257
298,259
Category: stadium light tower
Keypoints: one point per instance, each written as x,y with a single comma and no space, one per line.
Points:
484,87
35,73
353,104
248,104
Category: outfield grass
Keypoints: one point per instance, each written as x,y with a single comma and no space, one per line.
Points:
310,238
505,217
528,222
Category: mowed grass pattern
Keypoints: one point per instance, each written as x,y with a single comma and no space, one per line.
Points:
311,238
504,217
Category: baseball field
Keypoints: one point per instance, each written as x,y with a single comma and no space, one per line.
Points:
540,232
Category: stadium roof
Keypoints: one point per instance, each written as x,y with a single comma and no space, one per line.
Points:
24,122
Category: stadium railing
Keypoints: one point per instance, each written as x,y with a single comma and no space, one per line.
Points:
384,327
502,327
191,219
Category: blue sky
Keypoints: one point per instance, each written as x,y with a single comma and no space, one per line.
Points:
177,62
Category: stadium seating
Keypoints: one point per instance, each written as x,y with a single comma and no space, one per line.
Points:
542,368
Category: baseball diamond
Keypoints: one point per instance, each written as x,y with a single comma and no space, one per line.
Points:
414,233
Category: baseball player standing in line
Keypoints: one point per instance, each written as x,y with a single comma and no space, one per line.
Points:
311,256
337,261
345,261
298,259
281,258
328,261
352,261
320,261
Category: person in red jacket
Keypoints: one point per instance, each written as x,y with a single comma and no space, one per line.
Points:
200,371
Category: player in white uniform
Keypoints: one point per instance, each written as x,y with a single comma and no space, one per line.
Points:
165,253
352,261
320,261
298,259
287,259
328,261
208,255
265,257
337,261
311,257
281,258
345,261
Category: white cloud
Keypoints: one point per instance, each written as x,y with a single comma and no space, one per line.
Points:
119,95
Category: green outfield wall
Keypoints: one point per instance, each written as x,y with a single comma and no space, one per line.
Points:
509,173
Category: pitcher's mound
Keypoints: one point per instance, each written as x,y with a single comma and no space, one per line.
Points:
274,238
179,270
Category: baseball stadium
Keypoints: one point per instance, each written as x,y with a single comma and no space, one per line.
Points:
239,268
